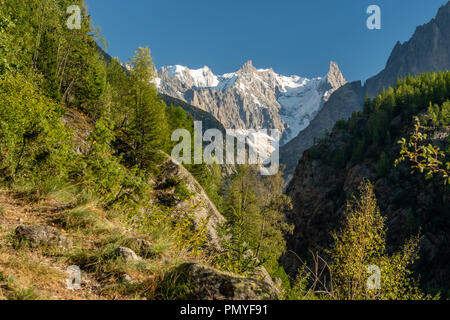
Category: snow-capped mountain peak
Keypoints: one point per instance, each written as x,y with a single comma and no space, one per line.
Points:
200,78
252,98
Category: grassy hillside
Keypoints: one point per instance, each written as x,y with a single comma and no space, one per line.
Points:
83,159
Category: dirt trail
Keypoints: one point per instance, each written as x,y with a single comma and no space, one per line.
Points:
27,273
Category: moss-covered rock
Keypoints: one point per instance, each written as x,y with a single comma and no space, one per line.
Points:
37,236
198,282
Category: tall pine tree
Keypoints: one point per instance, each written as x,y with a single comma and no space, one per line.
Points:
149,129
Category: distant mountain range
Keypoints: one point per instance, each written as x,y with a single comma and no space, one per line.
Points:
252,98
302,109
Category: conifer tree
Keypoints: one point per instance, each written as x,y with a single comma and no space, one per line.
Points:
148,130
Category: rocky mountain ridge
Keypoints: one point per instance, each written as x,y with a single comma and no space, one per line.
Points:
427,50
252,98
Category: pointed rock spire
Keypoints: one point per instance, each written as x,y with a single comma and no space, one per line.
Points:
247,67
334,76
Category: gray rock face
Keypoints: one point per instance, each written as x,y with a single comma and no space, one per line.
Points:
37,236
210,284
204,210
428,50
252,98
334,80
126,253
208,120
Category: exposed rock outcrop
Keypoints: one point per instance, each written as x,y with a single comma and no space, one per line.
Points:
427,50
37,236
126,253
205,283
207,119
334,80
82,127
205,210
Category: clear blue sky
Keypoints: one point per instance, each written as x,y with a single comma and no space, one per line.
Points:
292,36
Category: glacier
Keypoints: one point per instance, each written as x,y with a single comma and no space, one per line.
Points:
252,98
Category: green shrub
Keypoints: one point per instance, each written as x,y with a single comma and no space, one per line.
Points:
34,143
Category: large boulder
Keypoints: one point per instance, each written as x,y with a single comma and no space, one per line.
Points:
206,283
126,253
37,236
204,210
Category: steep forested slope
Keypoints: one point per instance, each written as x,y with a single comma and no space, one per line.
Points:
365,147
84,144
